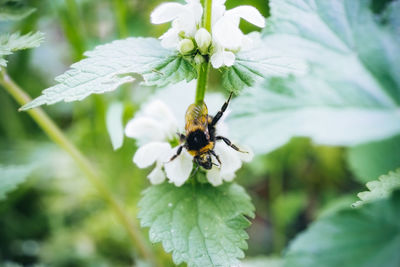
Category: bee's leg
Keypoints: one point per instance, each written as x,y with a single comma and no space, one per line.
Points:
178,152
221,112
229,143
216,156
195,171
182,137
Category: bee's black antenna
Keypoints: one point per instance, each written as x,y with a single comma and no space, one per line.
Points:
215,164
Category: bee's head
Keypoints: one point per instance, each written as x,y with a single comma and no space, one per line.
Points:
204,160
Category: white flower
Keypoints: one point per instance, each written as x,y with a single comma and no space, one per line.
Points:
226,32
226,38
226,172
221,57
155,128
185,20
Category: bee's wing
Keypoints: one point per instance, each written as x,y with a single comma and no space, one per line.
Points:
196,117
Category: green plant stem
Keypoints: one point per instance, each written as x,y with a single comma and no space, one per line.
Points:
202,82
56,135
208,15
204,68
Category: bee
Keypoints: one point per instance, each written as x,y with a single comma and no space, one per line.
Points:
200,134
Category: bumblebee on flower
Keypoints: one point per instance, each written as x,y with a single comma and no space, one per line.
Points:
218,44
156,128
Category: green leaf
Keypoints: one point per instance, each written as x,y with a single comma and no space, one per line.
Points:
370,160
391,16
380,188
10,43
111,65
201,225
11,177
114,124
352,93
257,63
16,41
368,237
14,10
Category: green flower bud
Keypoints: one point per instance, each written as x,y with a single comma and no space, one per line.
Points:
203,40
198,59
186,46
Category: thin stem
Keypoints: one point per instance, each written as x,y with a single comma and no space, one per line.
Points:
202,82
56,135
204,67
208,15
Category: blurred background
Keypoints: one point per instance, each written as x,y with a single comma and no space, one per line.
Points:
56,218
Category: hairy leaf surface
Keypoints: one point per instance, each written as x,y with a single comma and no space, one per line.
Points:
201,225
380,188
352,94
368,236
111,65
10,43
259,62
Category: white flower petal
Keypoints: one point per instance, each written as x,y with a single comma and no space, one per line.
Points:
246,157
229,176
249,13
229,58
217,59
196,9
166,12
222,127
144,129
161,113
247,43
230,160
148,154
170,39
157,176
218,10
179,169
227,33
214,176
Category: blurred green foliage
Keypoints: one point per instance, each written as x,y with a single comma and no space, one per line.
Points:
57,219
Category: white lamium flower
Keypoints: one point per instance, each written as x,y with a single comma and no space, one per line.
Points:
185,21
188,37
222,57
226,172
226,32
227,36
155,128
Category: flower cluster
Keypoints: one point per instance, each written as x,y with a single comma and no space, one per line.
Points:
155,128
189,37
